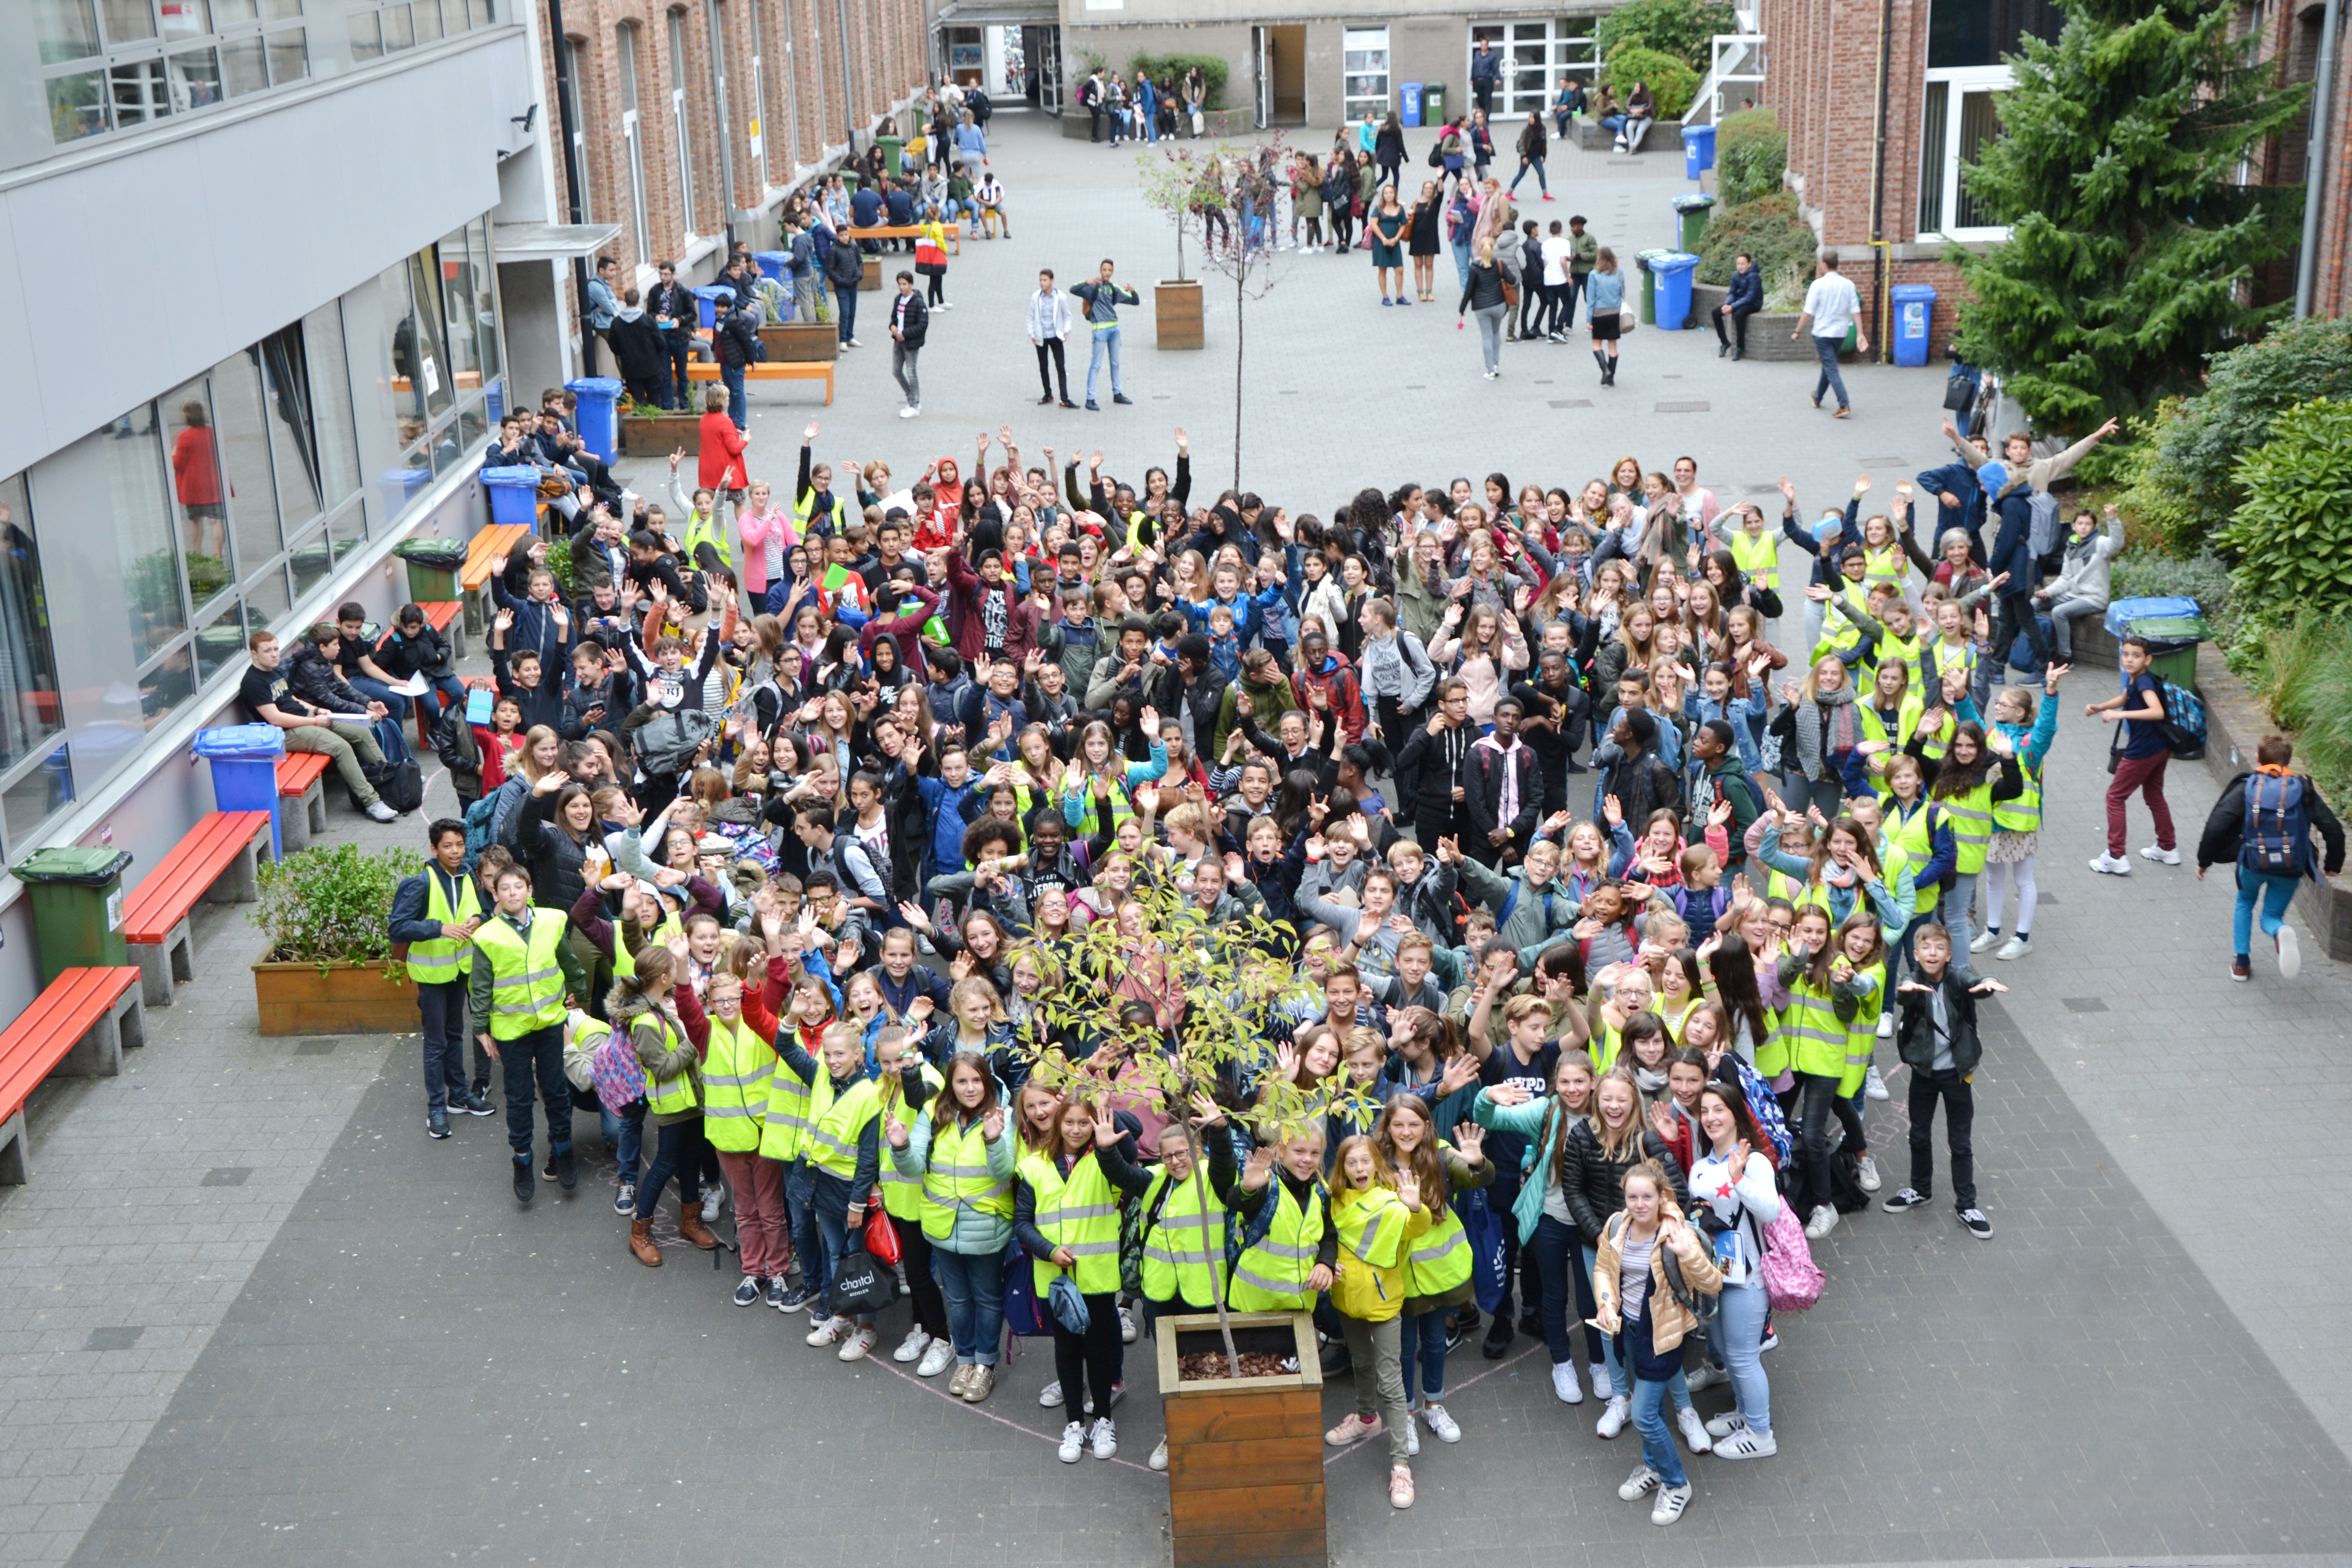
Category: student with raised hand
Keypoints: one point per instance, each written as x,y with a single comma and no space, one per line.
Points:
1547,1225
1183,1230
1378,1216
673,1099
1637,1306
1436,1265
2017,822
963,1152
1939,1044
1594,1159
904,1081
1067,1190
841,1157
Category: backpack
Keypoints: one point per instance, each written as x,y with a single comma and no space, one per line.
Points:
1793,1280
1765,1107
2276,833
2043,534
2183,722
477,828
667,741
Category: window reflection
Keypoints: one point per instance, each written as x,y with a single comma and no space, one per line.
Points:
245,459
198,490
330,402
219,640
37,795
28,668
141,509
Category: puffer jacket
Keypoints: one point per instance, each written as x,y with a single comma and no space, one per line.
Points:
1670,1321
554,858
1594,1184
974,1233
2085,571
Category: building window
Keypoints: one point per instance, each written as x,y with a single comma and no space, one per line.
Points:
759,103
641,232
442,308
378,30
1965,76
31,709
678,120
715,17
578,153
115,65
1536,54
1364,57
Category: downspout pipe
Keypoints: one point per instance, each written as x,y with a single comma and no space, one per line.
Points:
2314,163
576,203
1882,257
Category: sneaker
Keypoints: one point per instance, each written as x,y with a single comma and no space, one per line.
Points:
827,1330
475,1103
1126,1329
1118,1392
858,1342
436,1123
956,1384
2160,854
1411,1437
1979,1227
1747,1445
2015,947
749,1290
1873,1085
776,1292
912,1347
624,1201
1908,1198
1386,300
935,1359
1105,1441
523,1183
1050,1397
712,1201
857,344
1705,1375
1724,1425
1695,1435
1984,941
1399,1487
1498,1339
1441,1424
2241,970
1158,1461
1564,1385
2113,865
1067,403
976,1386
567,1170
1672,1500
1602,1388
1866,1173
1824,1220
1613,1418
1770,1341
1074,1443
1122,397
1886,1028
382,811
944,305
1092,406
2290,952
1640,1484
909,412
795,1299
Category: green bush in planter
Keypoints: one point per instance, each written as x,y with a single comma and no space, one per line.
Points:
1768,229
1672,83
1160,68
1684,29
1751,154
330,905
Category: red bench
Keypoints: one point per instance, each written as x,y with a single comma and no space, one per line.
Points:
216,863
78,1026
301,779
447,618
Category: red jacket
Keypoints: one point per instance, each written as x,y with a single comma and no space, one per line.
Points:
1337,680
723,447
964,619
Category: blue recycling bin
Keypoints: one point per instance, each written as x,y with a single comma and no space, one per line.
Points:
514,496
1915,311
704,296
398,486
776,264
599,427
1698,150
243,759
1411,95
1673,272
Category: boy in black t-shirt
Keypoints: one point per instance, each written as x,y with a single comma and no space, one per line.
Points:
345,737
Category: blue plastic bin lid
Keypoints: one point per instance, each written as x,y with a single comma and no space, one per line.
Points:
2124,612
241,741
595,387
1908,292
1704,133
1673,261
1694,202
712,291
778,257
511,477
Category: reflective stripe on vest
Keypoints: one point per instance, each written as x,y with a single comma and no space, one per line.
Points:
1440,1258
1971,817
668,1097
736,1072
956,1175
838,516
902,1195
1273,1273
700,529
1814,1033
783,1133
1758,556
1079,1212
625,962
525,981
837,1125
1862,1037
2022,815
444,959
1880,564
1183,1244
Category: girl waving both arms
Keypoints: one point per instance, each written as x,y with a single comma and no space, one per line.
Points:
1375,1223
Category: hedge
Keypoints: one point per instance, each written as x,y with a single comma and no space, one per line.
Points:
1751,154
1683,28
1672,83
1769,230
1163,68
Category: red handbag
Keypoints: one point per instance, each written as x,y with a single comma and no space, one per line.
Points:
881,1238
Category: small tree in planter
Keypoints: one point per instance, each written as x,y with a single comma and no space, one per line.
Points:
330,968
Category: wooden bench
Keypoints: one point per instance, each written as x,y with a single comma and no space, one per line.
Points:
907,231
216,862
79,1027
301,779
474,577
774,369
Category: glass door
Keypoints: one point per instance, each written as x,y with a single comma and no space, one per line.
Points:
1364,84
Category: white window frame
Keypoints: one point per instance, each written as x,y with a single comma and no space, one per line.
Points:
1361,106
1565,54
1959,83
626,46
677,122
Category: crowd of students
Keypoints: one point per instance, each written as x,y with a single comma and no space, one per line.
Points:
1607,847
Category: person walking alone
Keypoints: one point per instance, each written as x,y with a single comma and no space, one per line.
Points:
1049,330
1832,306
1102,299
1482,292
909,321
1604,300
2264,824
1533,145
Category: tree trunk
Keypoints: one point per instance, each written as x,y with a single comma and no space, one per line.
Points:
1201,1192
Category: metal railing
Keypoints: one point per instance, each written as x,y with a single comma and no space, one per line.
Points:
1738,59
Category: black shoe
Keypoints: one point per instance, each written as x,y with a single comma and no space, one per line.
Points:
1576,767
1721,350
436,1123
1531,1326
1738,354
1122,397
1044,400
1067,403
1093,407
474,1103
1499,1338
522,1183
567,1170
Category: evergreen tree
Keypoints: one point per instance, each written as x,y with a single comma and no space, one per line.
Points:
2130,238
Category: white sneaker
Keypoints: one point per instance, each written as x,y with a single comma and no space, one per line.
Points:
1823,1221
382,811
1747,1445
1866,1173
2015,947
1050,1396
1873,1085
858,1342
944,305
1984,941
1705,1375
1411,1437
938,1359
828,1331
1158,1461
1564,1383
2113,865
1641,1483
1695,1435
1126,1329
1106,1439
1671,1502
1885,1026
2160,855
912,1346
909,412
1601,1387
711,1203
1074,1443
1725,1425
2290,952
1613,1418
1441,1424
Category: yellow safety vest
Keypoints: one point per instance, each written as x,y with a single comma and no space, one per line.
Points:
526,982
956,1176
1605,1044
1772,1050
625,962
1935,743
801,509
1185,1243
1439,1259
1966,654
445,958
2022,815
783,1131
1371,1226
902,1196
1675,1020
1874,727
1971,812
1841,635
1080,1212
736,1072
671,1096
1272,1275
1893,649
837,1123
1913,833
1758,556
1815,1033
1880,564
702,529
1862,1037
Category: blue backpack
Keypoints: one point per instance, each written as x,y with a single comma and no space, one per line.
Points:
2183,722
478,817
1765,1106
2276,836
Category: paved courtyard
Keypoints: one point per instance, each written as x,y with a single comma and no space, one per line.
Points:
260,1319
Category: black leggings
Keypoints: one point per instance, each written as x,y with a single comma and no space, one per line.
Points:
922,1288
1343,226
1817,1101
1088,1358
939,289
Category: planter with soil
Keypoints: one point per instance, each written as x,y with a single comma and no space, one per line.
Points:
1176,313
657,434
1767,330
333,998
1244,1454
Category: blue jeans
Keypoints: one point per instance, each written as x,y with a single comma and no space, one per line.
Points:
973,1284
808,1246
1422,1348
1827,349
845,298
444,1009
1542,182
1737,1332
1649,1411
1619,1377
738,407
1461,264
1564,1285
625,1132
678,1152
2274,894
540,1052
377,691
1106,343
1954,909
448,691
833,1227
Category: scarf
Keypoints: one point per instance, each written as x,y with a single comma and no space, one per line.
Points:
1507,809
1829,728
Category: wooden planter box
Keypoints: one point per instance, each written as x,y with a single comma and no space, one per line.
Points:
802,340
347,999
1767,330
1245,1455
658,434
871,282
1176,313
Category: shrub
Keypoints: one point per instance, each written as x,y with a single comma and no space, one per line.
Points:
331,904
1768,229
2292,534
1163,68
1672,83
1751,154
559,561
2245,388
2306,683
2148,574
1683,28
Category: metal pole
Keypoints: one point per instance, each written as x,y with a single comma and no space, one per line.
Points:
2314,163
574,202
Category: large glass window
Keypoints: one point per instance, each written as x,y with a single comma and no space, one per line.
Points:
641,235
1536,54
118,64
31,709
1364,57
244,438
579,151
199,490
678,118
441,305
1965,76
293,446
330,402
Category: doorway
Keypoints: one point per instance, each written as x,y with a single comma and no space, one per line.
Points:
1278,73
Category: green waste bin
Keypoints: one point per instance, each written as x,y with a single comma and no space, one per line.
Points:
1691,212
1432,103
2172,647
433,568
893,147
1650,285
77,908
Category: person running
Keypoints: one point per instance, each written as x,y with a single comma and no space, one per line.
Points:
1638,1306
2264,824
1379,1214
1938,1042
2140,753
